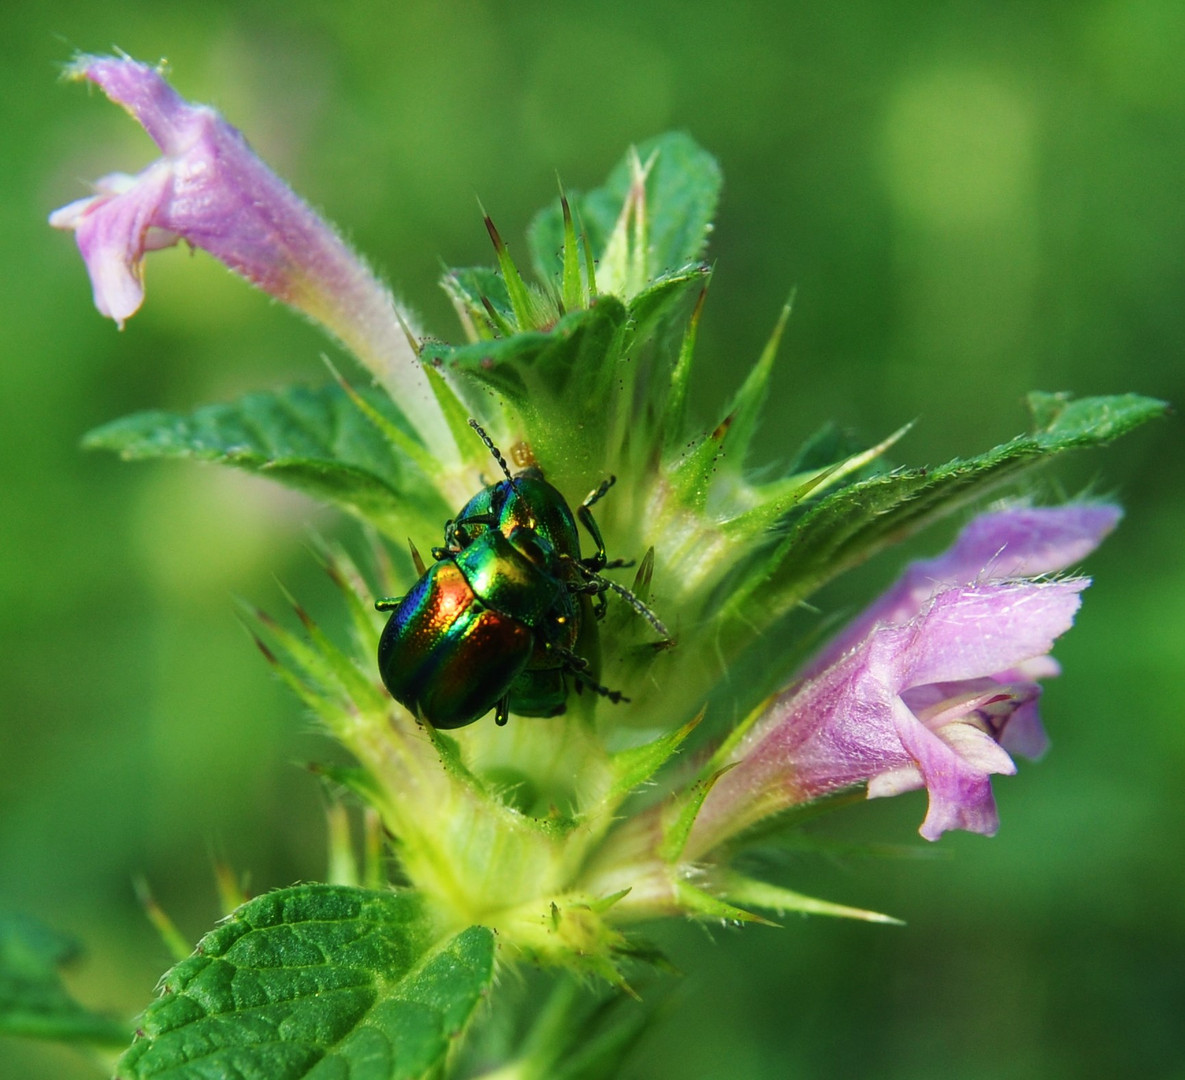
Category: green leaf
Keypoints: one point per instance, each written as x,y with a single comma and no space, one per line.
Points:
852,523
824,448
773,501
526,310
665,297
543,375
317,441
33,1001
674,413
634,767
573,291
479,294
324,982
682,191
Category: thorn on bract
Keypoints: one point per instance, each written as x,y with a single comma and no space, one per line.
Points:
495,236
417,560
268,655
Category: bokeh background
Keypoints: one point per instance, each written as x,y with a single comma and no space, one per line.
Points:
972,200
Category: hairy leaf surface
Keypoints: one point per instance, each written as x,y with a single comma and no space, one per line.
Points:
317,982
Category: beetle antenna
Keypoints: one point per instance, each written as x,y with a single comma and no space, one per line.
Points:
640,608
493,450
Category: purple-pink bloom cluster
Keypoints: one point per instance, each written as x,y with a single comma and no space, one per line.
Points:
934,685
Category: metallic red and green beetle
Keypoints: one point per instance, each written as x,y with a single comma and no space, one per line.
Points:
505,618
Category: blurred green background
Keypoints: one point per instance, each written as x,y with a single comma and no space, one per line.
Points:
971,199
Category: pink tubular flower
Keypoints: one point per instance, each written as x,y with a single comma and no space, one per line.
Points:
932,686
210,190
917,703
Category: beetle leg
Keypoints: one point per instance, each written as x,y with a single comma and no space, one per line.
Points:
598,493
455,536
454,527
577,666
596,561
590,587
583,680
502,711
387,603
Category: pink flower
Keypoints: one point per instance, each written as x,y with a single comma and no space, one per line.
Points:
210,190
932,686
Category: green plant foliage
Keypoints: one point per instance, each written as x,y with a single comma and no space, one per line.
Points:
538,373
852,523
317,441
571,1034
315,981
33,1001
682,192
479,295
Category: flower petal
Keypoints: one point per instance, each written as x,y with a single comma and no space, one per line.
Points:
111,229
979,630
146,95
960,792
1012,543
977,748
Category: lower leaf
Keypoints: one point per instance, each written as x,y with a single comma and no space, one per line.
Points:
315,982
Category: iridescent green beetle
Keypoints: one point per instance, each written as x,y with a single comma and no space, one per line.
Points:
502,620
455,645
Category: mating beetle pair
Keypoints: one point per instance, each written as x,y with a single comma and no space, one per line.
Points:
506,615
